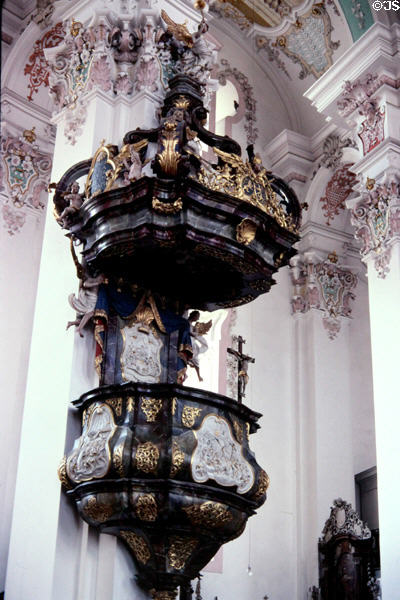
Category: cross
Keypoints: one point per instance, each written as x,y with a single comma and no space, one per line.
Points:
243,363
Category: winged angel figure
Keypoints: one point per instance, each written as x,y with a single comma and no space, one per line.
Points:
197,332
196,56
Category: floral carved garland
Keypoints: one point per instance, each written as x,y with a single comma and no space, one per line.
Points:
37,67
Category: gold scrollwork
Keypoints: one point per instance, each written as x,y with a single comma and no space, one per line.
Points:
243,300
62,473
167,208
177,458
247,182
151,407
116,405
248,431
260,285
169,158
246,231
118,459
209,514
238,431
97,511
173,406
234,261
263,484
146,507
147,456
130,404
138,545
189,415
180,550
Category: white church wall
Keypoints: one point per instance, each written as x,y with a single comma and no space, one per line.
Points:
266,326
363,421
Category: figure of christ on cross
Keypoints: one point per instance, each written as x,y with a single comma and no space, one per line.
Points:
243,364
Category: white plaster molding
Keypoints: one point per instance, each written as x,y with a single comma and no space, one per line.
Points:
374,52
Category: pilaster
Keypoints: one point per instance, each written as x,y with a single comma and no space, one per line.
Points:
369,103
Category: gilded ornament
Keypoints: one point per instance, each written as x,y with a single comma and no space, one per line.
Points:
235,261
263,484
118,459
173,406
76,26
180,550
116,405
243,300
146,507
260,285
370,184
147,456
97,511
177,458
30,135
151,407
248,431
209,514
138,545
246,231
238,432
167,208
169,158
130,404
62,473
247,182
189,415
182,102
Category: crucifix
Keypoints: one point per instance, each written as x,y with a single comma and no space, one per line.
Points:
243,364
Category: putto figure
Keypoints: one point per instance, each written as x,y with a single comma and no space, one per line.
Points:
75,201
199,343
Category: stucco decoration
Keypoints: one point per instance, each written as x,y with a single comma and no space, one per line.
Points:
250,115
337,191
344,520
37,67
267,13
309,43
122,60
372,130
358,94
218,456
376,218
26,172
323,286
332,151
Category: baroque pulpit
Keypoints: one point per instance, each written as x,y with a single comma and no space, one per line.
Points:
157,229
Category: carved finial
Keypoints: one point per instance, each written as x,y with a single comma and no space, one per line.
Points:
30,135
332,257
370,184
